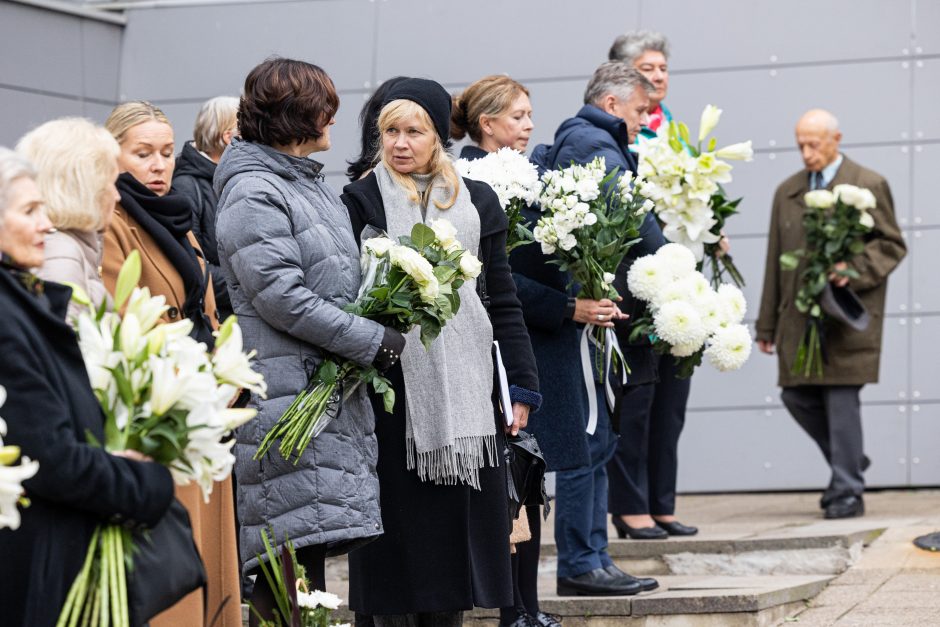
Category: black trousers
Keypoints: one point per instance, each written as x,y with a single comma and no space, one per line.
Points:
832,416
642,473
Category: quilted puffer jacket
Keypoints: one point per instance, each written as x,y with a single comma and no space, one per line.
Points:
290,261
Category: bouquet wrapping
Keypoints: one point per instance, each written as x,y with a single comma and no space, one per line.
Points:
687,318
515,180
590,220
164,396
410,283
836,224
685,181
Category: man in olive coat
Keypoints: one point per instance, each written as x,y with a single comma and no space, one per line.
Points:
828,407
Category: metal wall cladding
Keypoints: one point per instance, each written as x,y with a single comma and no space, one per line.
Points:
875,65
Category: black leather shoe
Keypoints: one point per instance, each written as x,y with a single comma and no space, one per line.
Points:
637,533
676,528
542,619
866,462
648,583
845,507
596,583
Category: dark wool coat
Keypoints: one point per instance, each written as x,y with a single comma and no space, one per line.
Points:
445,547
595,133
291,264
50,411
193,178
853,355
542,289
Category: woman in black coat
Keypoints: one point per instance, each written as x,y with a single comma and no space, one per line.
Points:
51,414
446,543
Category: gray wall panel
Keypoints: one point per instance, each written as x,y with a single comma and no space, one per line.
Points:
558,46
712,34
925,365
886,443
28,36
219,45
926,96
925,433
898,299
924,263
751,386
552,103
894,372
101,59
763,107
926,203
22,111
926,26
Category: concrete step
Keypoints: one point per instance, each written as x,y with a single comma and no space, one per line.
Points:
822,547
703,601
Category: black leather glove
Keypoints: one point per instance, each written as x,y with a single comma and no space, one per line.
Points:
393,343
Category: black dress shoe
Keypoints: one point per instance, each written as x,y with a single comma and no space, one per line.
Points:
522,620
676,528
929,542
596,583
541,619
637,533
648,583
845,507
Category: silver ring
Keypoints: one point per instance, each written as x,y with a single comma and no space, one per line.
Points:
600,316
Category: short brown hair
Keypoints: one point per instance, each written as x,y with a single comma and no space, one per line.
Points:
286,102
490,96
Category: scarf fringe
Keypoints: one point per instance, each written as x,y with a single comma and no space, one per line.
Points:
455,463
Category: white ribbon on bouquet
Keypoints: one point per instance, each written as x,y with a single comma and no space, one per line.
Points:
610,348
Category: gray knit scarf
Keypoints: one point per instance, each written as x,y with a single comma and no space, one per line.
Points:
450,430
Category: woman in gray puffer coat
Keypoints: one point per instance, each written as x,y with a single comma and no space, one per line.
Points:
291,263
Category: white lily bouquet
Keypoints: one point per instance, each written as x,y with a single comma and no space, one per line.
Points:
687,318
515,180
589,223
685,181
295,604
165,396
836,224
410,283
12,476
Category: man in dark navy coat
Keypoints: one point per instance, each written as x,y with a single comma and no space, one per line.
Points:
616,100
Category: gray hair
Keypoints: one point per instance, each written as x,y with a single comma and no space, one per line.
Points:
629,47
214,118
614,77
12,167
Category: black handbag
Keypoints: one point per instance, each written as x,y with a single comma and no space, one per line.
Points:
166,566
525,473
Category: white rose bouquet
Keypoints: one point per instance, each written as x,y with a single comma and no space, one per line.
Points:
515,180
295,604
836,224
685,181
406,284
164,396
12,477
686,317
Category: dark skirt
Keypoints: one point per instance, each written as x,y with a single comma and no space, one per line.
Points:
445,547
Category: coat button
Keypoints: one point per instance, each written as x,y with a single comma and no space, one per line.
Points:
173,313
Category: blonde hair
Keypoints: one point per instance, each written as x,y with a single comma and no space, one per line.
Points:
214,118
75,161
441,164
129,114
490,96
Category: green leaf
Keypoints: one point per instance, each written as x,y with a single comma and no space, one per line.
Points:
684,133
790,260
225,331
127,279
388,400
422,236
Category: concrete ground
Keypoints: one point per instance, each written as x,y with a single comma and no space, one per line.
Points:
894,583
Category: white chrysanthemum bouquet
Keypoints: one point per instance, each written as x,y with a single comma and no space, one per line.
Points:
410,283
164,395
686,317
685,181
12,477
515,180
836,223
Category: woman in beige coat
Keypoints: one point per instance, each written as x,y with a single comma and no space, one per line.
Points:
156,222
77,166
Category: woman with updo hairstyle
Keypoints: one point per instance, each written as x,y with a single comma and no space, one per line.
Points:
444,504
77,167
495,113
153,219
